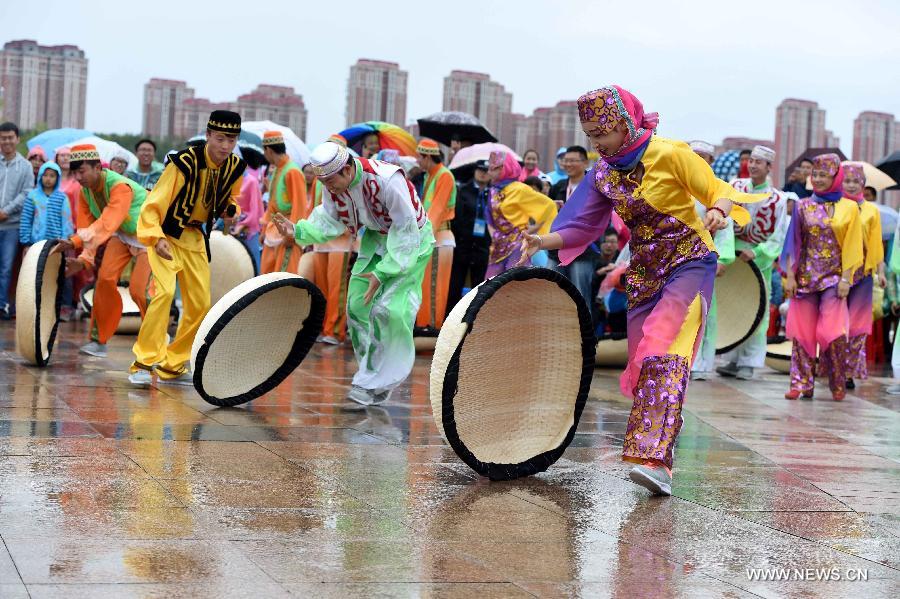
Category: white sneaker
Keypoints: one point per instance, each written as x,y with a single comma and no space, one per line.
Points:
380,397
363,397
744,373
98,350
141,378
699,375
328,339
893,390
656,480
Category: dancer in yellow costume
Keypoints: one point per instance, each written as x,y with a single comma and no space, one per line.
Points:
199,185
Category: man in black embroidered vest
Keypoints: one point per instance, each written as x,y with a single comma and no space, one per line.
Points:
198,186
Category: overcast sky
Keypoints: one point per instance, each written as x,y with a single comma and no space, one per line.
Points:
710,68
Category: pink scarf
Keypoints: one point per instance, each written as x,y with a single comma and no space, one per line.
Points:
535,172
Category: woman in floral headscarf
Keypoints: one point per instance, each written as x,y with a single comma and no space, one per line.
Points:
859,300
823,250
512,209
651,183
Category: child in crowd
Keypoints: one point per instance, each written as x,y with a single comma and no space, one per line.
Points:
46,213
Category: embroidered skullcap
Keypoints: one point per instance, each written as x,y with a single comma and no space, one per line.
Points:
224,121
271,138
855,169
328,158
496,159
611,105
763,153
428,147
83,152
703,147
830,163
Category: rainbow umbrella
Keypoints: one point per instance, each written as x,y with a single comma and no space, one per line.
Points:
390,137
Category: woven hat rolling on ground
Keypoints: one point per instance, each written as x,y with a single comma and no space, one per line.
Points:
255,336
38,299
778,356
511,372
130,323
612,350
230,265
741,303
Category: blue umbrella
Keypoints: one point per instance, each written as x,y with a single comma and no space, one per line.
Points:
52,139
727,165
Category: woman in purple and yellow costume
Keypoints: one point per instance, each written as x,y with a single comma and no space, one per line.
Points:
823,250
651,183
859,300
512,206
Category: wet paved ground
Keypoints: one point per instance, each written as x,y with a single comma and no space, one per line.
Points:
106,491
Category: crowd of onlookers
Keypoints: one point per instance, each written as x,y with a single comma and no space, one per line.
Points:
38,201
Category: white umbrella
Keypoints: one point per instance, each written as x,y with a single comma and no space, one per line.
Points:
108,149
296,149
474,153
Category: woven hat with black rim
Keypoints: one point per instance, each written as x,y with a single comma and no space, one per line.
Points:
511,372
38,300
255,337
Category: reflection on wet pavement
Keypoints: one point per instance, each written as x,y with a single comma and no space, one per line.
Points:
108,491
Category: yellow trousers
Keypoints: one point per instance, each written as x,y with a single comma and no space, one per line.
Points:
191,269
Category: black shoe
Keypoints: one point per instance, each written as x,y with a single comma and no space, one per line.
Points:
850,384
4,313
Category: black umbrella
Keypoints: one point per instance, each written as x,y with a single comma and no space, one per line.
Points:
891,167
443,126
809,154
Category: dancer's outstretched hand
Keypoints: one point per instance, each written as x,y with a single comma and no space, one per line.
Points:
530,244
714,221
374,284
285,227
62,246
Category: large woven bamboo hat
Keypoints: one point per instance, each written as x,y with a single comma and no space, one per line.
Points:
255,336
511,372
230,265
741,303
38,299
612,350
130,322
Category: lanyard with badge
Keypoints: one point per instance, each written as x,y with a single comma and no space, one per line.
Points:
479,228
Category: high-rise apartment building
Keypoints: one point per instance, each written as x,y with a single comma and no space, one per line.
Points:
376,91
43,85
475,93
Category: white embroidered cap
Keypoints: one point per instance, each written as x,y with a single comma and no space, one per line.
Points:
763,153
702,147
328,158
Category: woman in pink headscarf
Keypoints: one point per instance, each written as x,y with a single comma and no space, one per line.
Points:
513,208
651,183
822,251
